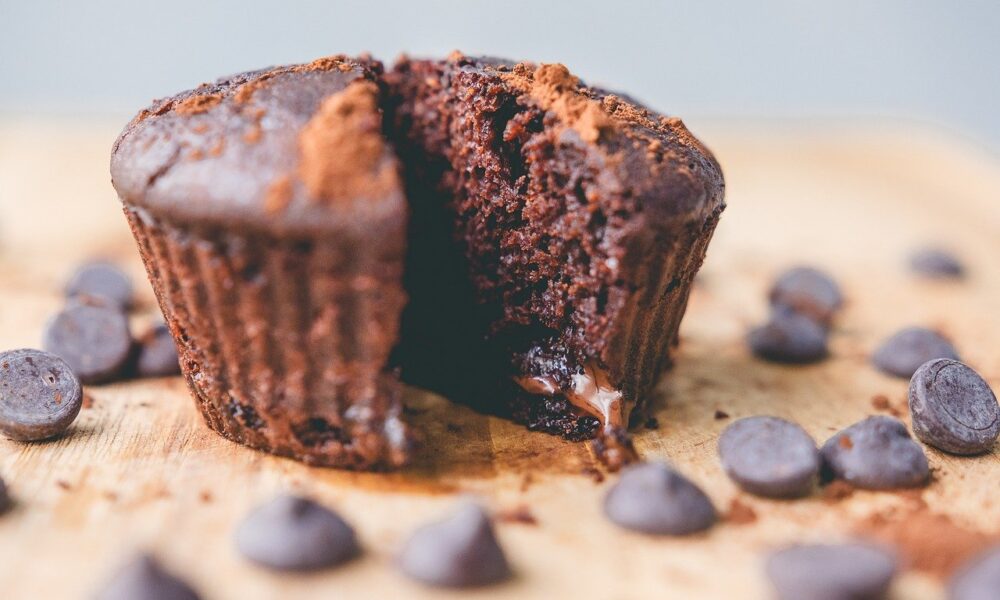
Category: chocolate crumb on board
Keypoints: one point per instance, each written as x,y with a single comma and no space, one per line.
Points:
930,542
740,513
881,403
519,514
720,415
837,490
593,473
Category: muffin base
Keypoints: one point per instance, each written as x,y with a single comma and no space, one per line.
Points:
284,342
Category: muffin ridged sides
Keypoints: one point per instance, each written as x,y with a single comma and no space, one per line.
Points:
284,341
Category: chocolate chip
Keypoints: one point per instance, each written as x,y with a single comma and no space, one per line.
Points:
291,533
103,280
39,395
654,498
851,571
876,453
5,500
459,551
770,457
936,263
143,578
157,354
903,353
953,408
979,579
93,339
788,337
807,291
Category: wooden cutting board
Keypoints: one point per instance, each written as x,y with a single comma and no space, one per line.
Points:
140,470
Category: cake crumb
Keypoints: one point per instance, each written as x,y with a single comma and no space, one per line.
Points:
720,415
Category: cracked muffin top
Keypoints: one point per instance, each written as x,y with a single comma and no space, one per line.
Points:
293,149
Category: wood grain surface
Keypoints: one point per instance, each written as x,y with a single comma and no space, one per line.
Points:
140,470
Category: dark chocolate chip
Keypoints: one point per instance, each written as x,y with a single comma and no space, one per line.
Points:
654,498
103,280
851,571
459,551
788,337
770,457
979,579
144,579
903,353
5,500
94,340
157,354
291,533
936,263
807,291
40,395
953,408
876,453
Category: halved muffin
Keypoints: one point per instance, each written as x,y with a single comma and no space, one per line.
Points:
545,233
270,215
555,232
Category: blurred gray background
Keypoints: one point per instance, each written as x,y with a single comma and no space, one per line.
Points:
929,61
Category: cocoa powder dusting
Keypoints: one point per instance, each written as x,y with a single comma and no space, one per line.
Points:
279,194
557,90
218,147
740,513
928,541
327,63
193,105
627,112
253,134
341,148
246,91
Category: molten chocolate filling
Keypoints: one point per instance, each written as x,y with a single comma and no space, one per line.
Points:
590,392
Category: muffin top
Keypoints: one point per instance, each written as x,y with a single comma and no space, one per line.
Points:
298,149
660,162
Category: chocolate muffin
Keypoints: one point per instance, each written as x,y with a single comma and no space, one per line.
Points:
555,232
270,215
544,232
